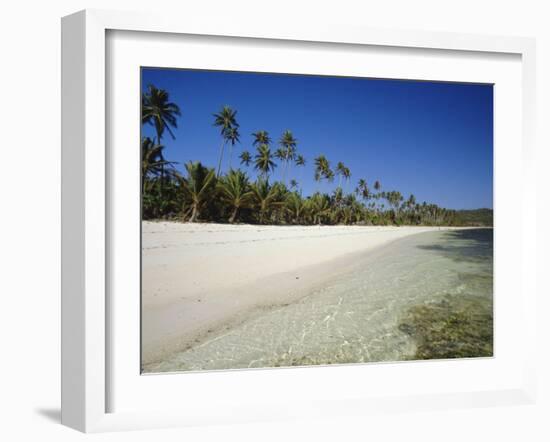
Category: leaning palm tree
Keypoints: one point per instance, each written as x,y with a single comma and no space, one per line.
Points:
288,143
232,135
265,198
225,119
197,186
158,111
246,158
235,192
263,161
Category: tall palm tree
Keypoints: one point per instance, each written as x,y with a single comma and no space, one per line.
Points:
246,158
225,119
263,161
232,135
158,111
363,189
197,186
288,143
347,175
280,154
329,175
261,137
265,198
322,169
300,162
235,192
340,170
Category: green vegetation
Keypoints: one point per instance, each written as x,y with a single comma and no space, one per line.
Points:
456,327
209,194
478,217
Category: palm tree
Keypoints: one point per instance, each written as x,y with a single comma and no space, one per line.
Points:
150,159
293,184
295,207
300,162
225,119
264,160
347,175
197,186
232,135
246,158
261,137
377,185
288,143
319,206
152,163
321,168
235,192
363,189
158,111
340,171
265,198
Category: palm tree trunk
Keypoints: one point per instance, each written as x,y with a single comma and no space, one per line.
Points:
162,165
194,214
233,215
221,158
288,169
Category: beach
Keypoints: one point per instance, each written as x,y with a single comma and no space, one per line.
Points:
200,281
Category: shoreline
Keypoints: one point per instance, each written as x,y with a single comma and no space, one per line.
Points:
202,279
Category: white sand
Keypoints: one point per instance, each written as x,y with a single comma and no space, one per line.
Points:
200,278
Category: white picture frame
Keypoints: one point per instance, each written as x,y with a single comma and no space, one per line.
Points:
85,202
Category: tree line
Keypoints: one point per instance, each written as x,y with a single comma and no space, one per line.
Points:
210,194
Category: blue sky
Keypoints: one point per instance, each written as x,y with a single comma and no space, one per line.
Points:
434,140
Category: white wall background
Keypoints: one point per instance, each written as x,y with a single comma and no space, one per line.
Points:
30,215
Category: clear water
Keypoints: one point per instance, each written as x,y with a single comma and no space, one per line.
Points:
355,317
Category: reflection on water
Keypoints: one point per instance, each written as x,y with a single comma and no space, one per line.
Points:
356,317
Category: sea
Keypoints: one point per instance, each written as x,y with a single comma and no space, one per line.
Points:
355,317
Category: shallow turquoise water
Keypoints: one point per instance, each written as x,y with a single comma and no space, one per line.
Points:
355,317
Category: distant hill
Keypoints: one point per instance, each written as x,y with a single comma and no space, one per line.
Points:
476,217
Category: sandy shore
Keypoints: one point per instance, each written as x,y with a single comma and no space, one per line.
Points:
199,279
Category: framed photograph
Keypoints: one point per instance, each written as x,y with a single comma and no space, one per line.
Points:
263,222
